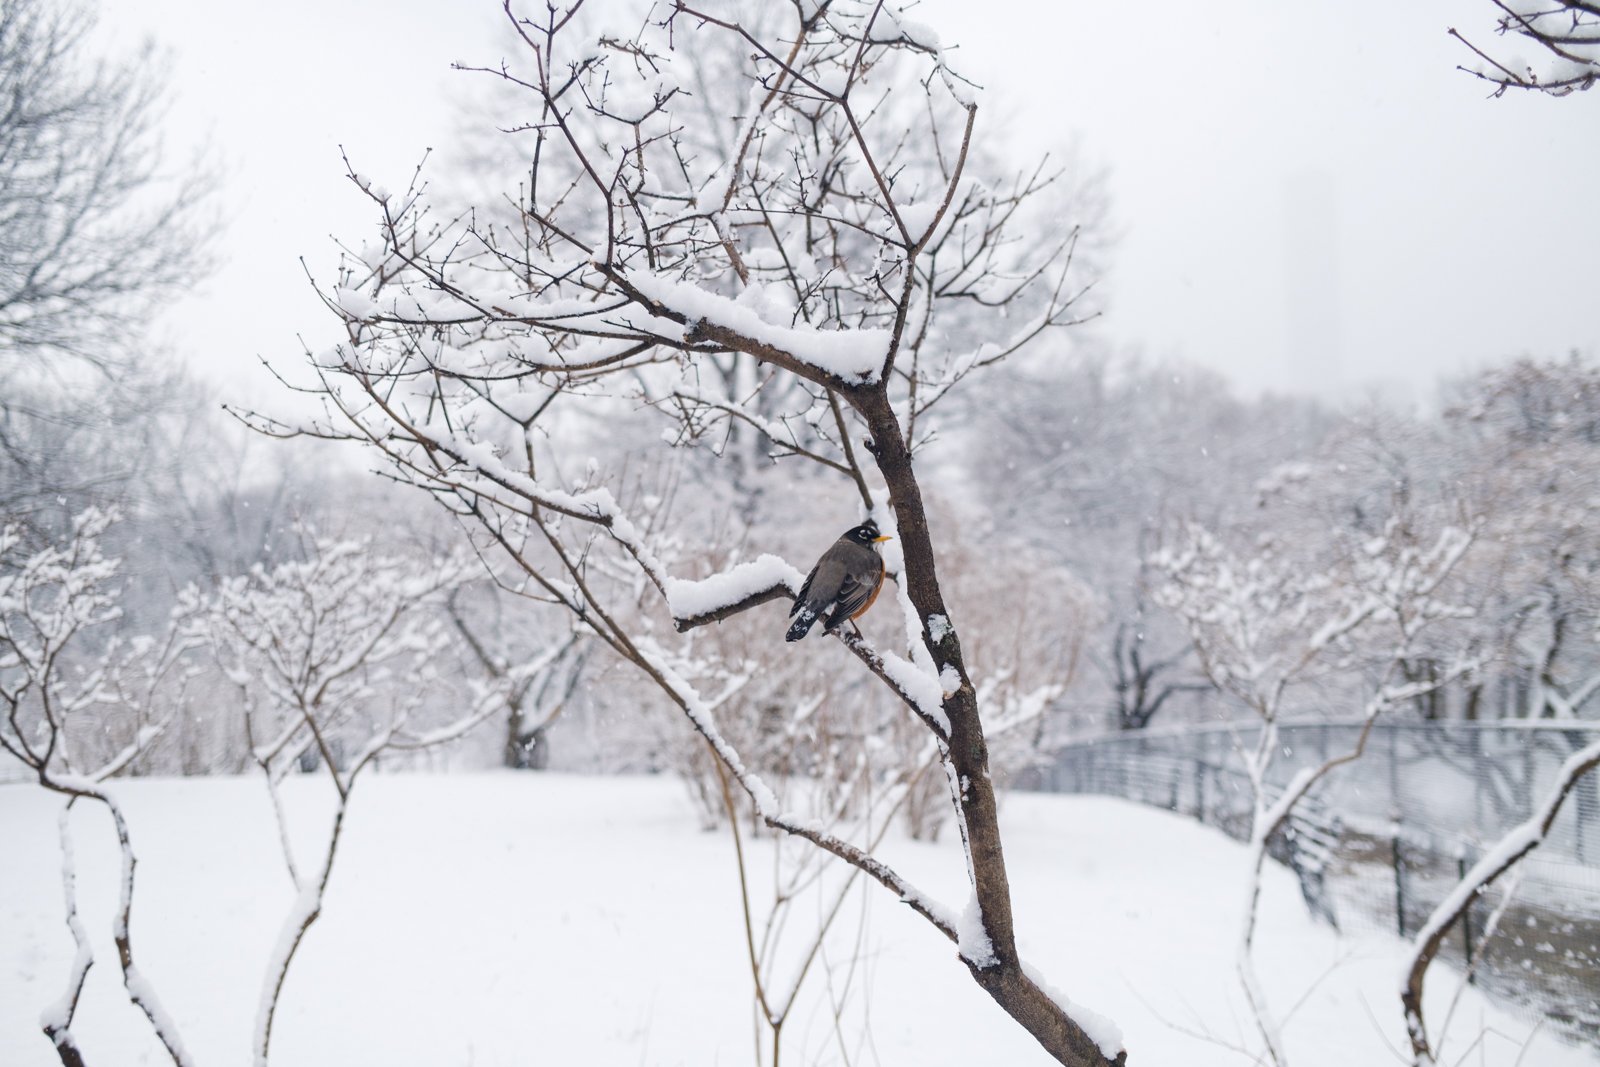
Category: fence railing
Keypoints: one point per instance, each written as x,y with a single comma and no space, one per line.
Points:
1381,841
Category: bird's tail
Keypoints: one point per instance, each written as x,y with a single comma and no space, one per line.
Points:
804,618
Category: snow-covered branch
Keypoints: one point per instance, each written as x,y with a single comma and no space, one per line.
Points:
1567,33
1499,859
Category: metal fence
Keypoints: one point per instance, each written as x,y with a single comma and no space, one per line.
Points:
1381,840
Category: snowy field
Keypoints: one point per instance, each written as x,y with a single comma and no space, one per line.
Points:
499,919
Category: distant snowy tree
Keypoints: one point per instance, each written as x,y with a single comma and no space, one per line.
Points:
94,234
1375,474
1098,454
334,659
1273,617
799,283
1515,450
532,689
1524,445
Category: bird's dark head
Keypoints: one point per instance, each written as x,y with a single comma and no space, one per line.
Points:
866,534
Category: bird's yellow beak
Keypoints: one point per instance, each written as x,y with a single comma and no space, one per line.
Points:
885,537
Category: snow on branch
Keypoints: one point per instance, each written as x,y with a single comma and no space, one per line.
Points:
56,1020
850,357
696,603
748,585
1567,32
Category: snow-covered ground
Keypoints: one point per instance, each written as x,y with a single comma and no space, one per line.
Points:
531,919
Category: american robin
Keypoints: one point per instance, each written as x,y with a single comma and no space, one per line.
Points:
847,579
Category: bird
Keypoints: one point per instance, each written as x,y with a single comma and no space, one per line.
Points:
846,579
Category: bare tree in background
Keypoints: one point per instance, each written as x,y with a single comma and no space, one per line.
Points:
1265,622
1566,33
94,234
1524,446
531,689
828,258
334,657
1088,462
53,602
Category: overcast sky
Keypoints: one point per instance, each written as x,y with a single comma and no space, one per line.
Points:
1310,195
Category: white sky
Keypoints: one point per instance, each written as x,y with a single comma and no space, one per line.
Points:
1310,195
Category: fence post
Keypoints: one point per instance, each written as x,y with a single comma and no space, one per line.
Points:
1476,733
1200,790
1399,879
1466,916
1584,797
1394,766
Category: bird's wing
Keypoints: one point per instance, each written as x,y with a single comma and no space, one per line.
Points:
853,595
805,590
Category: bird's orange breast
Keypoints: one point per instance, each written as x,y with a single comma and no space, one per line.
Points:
877,587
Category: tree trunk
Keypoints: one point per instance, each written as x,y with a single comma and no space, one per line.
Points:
968,752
